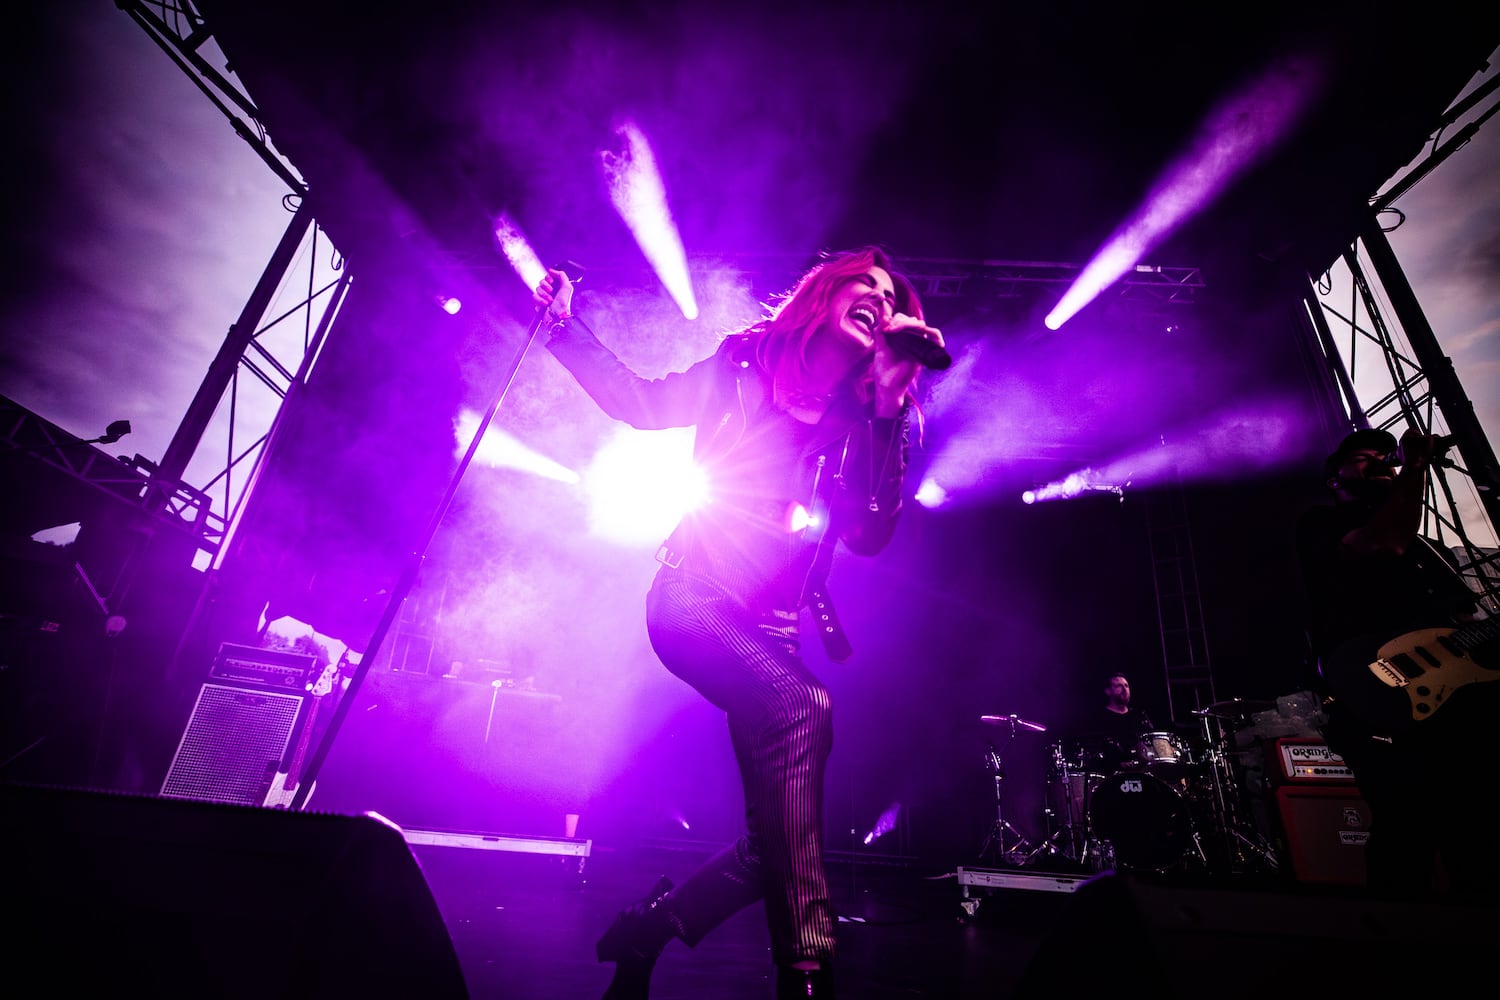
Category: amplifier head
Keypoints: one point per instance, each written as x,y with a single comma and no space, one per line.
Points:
1311,761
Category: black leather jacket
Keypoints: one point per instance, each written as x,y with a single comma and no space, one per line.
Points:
846,472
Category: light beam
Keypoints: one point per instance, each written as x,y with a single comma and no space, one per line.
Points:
501,450
640,197
1235,136
515,248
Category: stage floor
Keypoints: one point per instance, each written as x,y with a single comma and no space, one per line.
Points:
174,898
524,927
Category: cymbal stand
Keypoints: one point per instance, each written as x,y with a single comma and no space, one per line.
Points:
1072,835
995,842
1244,852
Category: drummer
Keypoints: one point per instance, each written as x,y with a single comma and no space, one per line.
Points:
1109,734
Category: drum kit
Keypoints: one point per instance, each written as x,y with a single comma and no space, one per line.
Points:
1173,803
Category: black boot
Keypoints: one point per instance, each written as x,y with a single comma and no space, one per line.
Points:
797,984
634,941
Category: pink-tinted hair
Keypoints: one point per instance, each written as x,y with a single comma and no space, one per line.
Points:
784,335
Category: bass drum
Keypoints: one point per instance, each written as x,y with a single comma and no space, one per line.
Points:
1146,819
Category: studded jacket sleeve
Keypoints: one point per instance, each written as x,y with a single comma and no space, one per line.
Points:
675,400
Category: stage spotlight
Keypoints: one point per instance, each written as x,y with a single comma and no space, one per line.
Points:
640,198
449,304
885,824
930,494
1233,138
116,430
1075,484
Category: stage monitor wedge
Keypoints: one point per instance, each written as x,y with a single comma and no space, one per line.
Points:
115,894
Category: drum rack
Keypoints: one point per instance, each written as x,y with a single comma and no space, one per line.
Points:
976,884
1175,805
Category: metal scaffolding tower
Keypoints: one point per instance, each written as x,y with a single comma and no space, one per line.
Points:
1179,603
1412,382
275,351
1424,390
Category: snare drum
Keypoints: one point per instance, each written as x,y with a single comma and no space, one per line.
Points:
1163,748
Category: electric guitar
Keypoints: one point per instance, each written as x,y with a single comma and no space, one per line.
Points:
1408,679
284,786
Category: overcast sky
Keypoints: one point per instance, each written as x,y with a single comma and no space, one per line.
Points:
148,222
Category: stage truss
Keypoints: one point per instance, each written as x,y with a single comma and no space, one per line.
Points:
1422,386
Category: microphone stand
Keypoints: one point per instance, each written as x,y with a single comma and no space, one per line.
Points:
408,577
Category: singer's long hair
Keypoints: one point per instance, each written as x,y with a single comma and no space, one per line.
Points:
796,316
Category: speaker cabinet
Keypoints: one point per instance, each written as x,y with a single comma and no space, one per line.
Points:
1325,830
236,738
1121,935
118,895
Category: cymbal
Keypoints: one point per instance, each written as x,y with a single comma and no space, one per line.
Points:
1235,707
1013,720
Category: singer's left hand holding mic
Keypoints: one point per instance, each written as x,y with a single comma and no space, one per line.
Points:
897,362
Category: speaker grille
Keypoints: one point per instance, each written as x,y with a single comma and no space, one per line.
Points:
1326,830
233,745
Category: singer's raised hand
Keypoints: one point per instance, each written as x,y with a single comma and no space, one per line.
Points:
904,326
896,365
555,294
1416,449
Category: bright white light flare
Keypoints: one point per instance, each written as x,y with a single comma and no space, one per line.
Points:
641,483
930,494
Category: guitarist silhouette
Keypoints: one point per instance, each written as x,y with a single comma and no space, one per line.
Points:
1404,666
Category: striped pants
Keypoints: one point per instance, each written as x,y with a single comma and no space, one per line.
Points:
781,726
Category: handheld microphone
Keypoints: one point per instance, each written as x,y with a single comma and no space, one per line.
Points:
573,270
914,345
1440,444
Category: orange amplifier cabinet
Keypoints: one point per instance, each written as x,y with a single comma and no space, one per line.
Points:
1325,831
1308,762
1323,819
